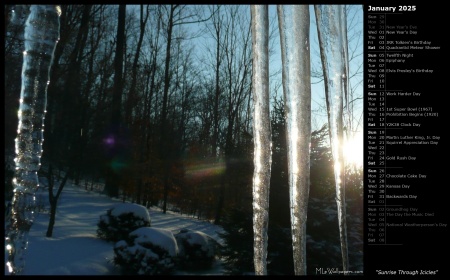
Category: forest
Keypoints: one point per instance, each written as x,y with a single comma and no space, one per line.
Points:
155,102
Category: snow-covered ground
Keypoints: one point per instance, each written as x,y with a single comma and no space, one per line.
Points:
75,249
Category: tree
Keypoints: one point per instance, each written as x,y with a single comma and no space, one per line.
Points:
60,134
237,251
147,151
279,184
117,130
237,88
217,34
131,109
175,15
53,199
74,97
131,99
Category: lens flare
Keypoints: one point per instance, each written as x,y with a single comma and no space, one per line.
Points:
205,170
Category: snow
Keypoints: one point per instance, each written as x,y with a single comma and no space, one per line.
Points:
162,237
138,210
193,238
75,249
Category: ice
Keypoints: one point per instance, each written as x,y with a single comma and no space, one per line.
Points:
295,53
262,135
41,35
331,29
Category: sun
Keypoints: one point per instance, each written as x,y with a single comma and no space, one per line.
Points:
354,150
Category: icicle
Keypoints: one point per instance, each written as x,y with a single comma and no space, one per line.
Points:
41,35
295,53
262,135
345,76
332,35
346,58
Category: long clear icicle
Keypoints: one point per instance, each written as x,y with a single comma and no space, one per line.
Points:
295,52
333,48
41,35
261,134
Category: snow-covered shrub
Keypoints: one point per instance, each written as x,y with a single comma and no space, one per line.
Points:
197,250
147,251
122,219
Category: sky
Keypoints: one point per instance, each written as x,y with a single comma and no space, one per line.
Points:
355,20
354,147
317,88
74,248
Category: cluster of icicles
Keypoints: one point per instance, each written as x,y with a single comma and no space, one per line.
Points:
293,22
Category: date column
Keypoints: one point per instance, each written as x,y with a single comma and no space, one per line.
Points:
375,130
381,238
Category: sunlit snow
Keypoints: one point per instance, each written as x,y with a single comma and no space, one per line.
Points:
75,249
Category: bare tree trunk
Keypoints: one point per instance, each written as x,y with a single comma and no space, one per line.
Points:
174,19
113,176
217,29
163,144
53,199
131,101
132,94
237,76
74,90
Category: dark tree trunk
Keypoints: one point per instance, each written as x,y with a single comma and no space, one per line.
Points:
131,101
163,146
54,198
113,176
